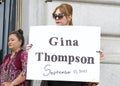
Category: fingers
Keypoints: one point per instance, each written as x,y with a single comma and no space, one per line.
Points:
28,47
100,51
101,54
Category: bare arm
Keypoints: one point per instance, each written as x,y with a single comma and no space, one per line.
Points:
19,80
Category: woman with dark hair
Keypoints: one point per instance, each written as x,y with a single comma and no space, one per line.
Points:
14,66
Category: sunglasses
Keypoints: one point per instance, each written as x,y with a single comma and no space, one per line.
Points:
59,16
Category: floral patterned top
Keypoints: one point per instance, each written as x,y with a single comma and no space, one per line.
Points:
11,68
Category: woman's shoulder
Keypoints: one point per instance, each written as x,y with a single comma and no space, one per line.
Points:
23,54
23,51
7,56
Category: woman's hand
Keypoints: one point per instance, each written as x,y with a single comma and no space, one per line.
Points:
28,47
7,84
101,54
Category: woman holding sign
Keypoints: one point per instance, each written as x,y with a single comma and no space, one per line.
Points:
14,66
63,16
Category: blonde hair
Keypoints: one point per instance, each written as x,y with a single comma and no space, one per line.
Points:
65,9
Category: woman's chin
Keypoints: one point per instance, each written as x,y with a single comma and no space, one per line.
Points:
59,24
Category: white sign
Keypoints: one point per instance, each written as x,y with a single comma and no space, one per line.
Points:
65,53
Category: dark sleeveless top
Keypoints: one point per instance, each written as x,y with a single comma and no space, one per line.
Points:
63,83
